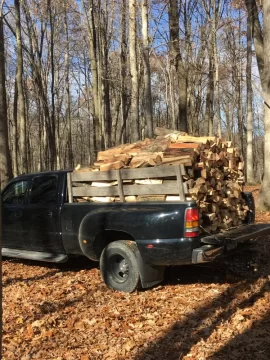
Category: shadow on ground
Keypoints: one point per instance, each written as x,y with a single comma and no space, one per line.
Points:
73,264
205,320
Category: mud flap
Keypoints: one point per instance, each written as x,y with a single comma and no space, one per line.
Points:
150,275
248,197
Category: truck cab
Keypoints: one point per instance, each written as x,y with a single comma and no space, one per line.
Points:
31,213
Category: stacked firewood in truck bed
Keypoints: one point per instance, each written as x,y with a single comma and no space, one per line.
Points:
211,171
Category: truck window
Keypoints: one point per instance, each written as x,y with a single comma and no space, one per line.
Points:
15,193
44,190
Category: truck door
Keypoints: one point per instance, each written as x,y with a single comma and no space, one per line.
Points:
13,214
43,215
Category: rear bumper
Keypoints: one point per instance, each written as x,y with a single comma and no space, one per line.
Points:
206,253
182,251
165,252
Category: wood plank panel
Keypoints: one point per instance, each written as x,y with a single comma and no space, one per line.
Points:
169,188
142,173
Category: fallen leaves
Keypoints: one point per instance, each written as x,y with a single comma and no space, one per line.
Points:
195,320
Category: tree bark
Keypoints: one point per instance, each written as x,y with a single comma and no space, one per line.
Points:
5,161
67,95
209,107
249,155
134,117
35,52
257,34
262,48
178,65
15,131
52,139
19,82
147,72
123,71
216,11
93,52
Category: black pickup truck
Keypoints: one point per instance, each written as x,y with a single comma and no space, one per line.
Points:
132,241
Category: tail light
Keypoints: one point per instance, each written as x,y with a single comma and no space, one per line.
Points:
191,222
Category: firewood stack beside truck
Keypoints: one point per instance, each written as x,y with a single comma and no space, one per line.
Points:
174,200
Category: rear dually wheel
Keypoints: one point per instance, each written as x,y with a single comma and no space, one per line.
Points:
119,266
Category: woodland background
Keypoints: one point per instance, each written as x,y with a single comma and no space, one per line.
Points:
82,76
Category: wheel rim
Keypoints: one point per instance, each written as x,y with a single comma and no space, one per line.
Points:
119,268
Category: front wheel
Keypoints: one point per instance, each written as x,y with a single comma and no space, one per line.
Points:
119,267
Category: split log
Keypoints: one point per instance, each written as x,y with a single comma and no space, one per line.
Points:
195,139
163,131
112,166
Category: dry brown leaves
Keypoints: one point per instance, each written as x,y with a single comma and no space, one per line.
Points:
68,314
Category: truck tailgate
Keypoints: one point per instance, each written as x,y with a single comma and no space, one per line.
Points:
238,235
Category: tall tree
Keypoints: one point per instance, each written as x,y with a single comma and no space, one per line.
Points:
19,84
67,91
262,49
133,58
93,53
5,163
264,198
178,65
249,155
52,138
212,9
147,73
15,151
216,5
123,73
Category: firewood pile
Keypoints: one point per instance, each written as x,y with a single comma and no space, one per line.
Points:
213,176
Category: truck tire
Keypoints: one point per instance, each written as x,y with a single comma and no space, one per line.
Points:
119,266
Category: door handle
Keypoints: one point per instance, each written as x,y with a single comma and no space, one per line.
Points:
48,214
18,214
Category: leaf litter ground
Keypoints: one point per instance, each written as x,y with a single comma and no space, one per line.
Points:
67,313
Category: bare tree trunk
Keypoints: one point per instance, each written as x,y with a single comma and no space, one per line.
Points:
134,118
239,90
99,21
210,97
52,117
178,64
93,52
228,120
216,64
262,49
147,72
257,35
19,82
5,161
249,158
40,86
264,197
189,68
67,95
123,72
15,131
173,123
106,36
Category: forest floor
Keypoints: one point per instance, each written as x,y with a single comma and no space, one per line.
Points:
67,313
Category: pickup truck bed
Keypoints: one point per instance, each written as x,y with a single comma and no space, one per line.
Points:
132,241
